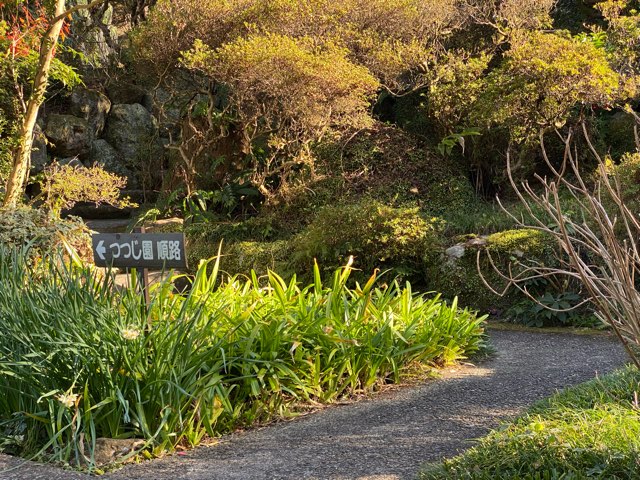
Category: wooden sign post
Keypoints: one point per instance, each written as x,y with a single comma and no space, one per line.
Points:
144,279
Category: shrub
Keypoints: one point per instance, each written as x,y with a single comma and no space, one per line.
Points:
252,244
243,257
43,231
378,236
66,185
331,61
281,111
544,76
627,175
80,360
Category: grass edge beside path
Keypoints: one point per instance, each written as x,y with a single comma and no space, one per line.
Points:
590,431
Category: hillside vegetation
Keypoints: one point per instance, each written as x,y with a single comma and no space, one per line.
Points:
302,129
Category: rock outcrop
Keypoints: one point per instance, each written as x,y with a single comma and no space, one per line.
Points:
132,131
39,150
92,106
70,136
104,155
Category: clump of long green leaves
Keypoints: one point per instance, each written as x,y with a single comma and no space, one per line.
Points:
80,359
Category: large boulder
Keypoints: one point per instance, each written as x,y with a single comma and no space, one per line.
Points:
91,105
132,131
128,93
96,48
105,156
68,135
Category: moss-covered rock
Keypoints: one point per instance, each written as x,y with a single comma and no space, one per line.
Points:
521,243
458,276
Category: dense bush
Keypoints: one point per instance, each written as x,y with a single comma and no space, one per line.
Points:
80,360
43,231
626,174
544,76
331,61
283,110
65,185
496,68
460,277
377,235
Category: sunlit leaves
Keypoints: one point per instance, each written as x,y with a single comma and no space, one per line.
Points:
543,77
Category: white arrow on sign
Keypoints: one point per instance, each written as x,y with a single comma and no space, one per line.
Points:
100,250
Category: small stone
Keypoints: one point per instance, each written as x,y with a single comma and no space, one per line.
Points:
476,242
456,252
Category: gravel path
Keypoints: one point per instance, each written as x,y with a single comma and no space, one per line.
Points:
390,436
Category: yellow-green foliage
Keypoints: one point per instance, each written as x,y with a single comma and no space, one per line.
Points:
243,257
375,234
542,78
65,185
43,231
524,242
627,175
388,37
459,80
287,89
623,36
288,72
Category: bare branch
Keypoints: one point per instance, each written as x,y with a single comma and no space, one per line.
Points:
597,249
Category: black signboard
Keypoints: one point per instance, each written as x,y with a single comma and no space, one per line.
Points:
139,250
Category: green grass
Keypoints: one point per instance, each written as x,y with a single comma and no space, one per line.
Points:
80,360
591,431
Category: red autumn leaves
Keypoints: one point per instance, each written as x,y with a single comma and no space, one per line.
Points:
24,28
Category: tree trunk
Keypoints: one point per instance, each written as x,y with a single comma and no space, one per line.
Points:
22,156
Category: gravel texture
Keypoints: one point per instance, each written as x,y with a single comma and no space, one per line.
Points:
389,436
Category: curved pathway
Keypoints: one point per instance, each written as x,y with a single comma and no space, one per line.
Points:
389,437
